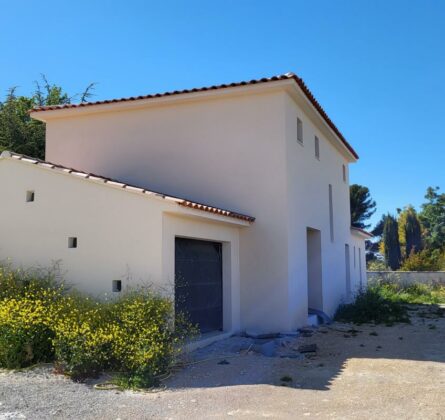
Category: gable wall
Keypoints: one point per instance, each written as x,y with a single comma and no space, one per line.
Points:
227,152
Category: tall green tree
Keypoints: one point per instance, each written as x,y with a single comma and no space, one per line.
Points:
410,231
432,217
18,131
391,243
378,229
362,205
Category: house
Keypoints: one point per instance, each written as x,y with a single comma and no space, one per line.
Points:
233,198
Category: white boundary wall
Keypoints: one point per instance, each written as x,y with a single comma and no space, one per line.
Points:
408,277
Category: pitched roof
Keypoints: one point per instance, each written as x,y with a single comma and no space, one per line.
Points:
362,231
287,76
112,182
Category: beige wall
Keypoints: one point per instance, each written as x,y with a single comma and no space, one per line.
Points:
358,263
308,180
225,152
236,151
121,235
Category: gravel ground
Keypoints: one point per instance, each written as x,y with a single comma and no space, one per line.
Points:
362,372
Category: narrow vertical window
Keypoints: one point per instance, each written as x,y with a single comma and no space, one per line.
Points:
344,173
354,257
299,131
360,267
30,196
317,147
331,214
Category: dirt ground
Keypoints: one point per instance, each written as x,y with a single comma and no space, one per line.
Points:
371,372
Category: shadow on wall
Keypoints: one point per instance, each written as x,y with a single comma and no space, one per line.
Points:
393,350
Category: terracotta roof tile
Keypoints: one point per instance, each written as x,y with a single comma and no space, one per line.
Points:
113,182
287,76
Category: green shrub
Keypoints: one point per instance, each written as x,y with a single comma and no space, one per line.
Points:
372,306
425,260
15,283
135,335
26,331
417,293
82,339
376,265
144,340
22,347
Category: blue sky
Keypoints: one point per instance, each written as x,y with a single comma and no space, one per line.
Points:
377,67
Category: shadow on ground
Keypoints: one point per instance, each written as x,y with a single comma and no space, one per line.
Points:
222,364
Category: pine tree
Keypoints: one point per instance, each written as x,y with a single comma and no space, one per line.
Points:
18,131
393,256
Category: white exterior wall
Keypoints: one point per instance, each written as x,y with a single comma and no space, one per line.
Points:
308,192
225,152
236,151
358,269
121,235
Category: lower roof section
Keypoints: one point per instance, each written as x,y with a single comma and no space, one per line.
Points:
130,188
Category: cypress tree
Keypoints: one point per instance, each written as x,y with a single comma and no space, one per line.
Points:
413,233
393,256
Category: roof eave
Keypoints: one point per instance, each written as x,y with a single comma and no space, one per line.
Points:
182,206
128,104
289,79
361,232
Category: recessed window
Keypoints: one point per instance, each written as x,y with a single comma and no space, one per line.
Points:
344,173
299,130
30,196
72,242
117,286
317,147
354,257
331,213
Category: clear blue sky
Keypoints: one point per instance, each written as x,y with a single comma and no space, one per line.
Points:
377,66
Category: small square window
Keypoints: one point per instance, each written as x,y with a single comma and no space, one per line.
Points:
30,196
72,242
117,286
317,147
299,130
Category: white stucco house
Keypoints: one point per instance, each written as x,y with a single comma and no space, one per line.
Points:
234,198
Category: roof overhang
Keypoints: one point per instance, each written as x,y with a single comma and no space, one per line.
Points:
290,82
361,232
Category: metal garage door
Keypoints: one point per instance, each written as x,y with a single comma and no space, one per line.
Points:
198,282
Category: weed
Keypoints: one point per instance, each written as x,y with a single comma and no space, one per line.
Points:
389,302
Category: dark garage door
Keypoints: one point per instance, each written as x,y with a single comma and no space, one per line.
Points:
198,282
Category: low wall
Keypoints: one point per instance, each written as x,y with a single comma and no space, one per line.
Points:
408,277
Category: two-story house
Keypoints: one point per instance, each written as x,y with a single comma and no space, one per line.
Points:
233,198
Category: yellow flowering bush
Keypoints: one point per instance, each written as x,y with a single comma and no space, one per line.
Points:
40,321
26,332
82,339
144,343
